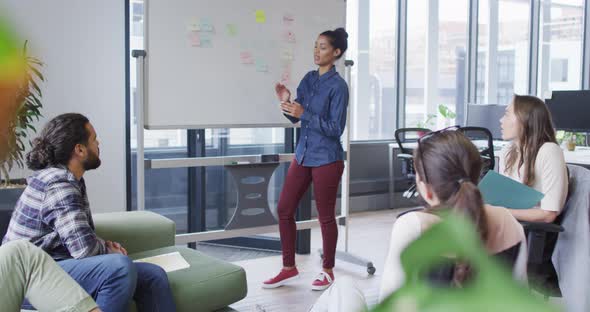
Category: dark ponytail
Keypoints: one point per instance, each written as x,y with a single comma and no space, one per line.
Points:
338,39
453,166
469,202
57,141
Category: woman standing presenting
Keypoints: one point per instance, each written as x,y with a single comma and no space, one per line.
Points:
321,105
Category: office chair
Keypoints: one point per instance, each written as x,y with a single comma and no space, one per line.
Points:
404,138
541,238
483,139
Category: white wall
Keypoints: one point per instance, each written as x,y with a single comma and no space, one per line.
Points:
83,46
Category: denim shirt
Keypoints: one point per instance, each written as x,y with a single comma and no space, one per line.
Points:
325,101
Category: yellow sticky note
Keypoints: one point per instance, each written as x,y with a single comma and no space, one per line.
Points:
260,16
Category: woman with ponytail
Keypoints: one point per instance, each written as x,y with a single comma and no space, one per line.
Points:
321,106
448,166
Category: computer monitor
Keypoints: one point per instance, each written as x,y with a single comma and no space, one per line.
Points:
570,110
487,116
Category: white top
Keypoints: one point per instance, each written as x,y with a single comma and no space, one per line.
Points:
504,232
550,175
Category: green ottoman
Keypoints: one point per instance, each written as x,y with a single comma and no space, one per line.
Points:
209,284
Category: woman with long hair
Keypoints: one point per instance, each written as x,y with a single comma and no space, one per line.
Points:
533,157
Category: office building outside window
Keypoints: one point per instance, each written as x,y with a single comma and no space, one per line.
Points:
561,34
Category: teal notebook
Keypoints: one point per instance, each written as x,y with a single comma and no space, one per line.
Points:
499,190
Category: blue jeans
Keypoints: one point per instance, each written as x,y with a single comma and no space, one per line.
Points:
114,280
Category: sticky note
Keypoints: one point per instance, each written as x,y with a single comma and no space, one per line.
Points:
194,38
246,57
206,41
232,30
193,25
206,25
286,77
289,36
288,19
260,16
287,54
261,66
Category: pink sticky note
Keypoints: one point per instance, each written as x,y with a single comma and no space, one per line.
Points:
286,74
288,19
246,57
194,39
289,36
286,78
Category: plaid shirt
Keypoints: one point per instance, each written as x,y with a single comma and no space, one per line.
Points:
53,213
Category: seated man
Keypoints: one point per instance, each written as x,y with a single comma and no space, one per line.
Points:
54,214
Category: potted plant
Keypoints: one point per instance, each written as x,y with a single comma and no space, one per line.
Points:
448,116
426,124
570,139
28,99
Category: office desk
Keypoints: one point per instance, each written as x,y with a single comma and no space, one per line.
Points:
581,157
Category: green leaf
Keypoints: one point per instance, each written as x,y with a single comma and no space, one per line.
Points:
38,101
37,73
34,60
36,87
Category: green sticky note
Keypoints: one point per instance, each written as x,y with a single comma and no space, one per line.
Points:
232,30
206,40
260,16
261,66
206,25
499,190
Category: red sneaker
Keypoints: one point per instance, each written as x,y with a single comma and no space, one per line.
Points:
281,279
323,281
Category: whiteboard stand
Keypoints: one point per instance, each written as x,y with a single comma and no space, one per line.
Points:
345,193
255,160
140,60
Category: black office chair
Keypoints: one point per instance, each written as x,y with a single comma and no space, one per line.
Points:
487,152
404,138
541,238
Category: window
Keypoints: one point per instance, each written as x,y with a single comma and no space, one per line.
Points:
503,50
436,50
559,70
373,91
561,35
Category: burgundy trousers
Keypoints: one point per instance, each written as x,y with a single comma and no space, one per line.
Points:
325,189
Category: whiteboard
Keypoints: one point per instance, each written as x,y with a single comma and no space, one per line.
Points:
214,64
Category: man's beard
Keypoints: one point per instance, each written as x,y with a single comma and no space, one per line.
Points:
92,162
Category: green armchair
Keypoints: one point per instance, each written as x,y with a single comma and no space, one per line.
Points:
209,284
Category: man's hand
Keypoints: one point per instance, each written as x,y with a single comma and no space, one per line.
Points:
114,247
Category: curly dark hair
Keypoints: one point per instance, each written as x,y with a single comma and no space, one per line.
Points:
57,141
